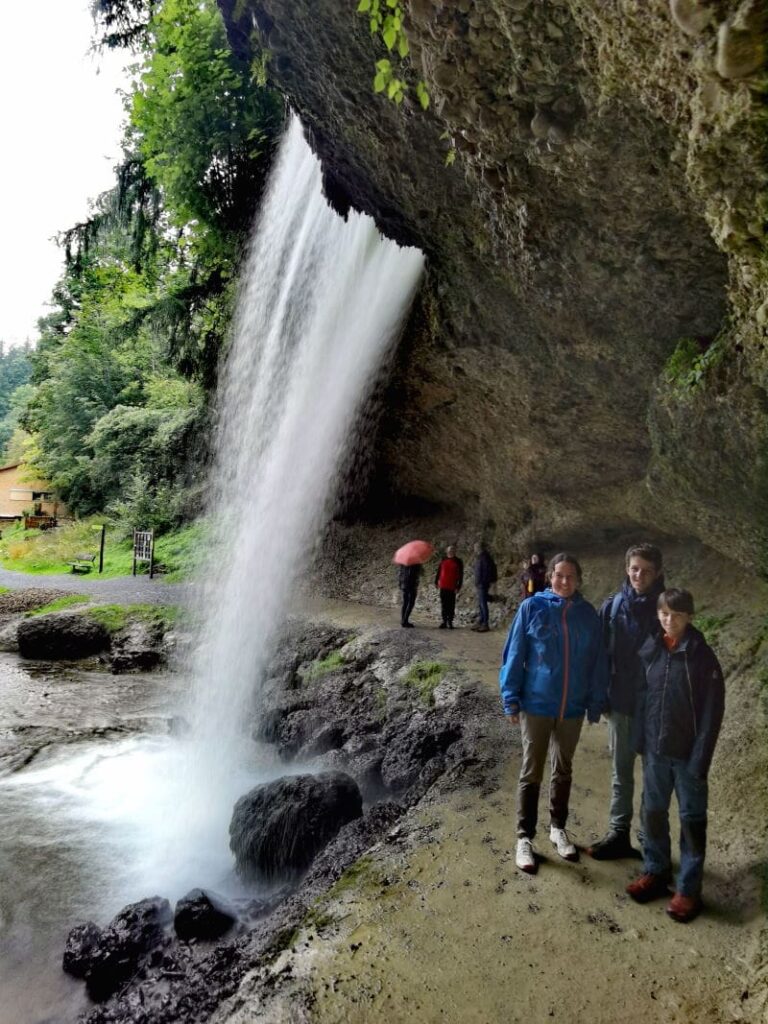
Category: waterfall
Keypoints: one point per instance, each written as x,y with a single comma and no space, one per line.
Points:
321,303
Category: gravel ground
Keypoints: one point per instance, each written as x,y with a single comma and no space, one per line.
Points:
116,590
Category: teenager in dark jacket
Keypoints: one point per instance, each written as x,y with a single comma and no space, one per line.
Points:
408,578
680,709
628,618
449,579
485,576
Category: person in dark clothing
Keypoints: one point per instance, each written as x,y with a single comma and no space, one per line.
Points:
628,618
449,579
485,576
680,706
533,578
408,578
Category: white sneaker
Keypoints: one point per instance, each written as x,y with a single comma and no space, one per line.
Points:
563,845
524,857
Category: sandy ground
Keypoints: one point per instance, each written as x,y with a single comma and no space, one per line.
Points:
439,925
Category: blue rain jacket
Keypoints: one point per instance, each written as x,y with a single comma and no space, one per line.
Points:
554,662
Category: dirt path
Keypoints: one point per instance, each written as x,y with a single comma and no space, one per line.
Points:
439,926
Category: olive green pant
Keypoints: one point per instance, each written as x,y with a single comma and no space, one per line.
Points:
559,738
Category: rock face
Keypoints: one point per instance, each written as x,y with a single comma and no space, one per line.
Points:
278,828
61,635
107,958
202,915
606,203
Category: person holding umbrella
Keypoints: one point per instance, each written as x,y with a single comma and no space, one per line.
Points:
409,559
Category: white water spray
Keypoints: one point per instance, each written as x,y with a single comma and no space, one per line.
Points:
322,302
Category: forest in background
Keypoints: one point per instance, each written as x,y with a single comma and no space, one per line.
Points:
113,405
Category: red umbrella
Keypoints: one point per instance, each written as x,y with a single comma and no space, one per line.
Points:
415,552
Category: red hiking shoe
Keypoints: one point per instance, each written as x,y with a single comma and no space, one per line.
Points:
684,908
648,887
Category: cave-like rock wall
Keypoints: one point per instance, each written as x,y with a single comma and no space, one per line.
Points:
607,200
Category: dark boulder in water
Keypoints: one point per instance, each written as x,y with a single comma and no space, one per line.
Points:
278,828
203,915
64,635
107,958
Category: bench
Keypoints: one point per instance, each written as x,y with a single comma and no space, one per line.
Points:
82,563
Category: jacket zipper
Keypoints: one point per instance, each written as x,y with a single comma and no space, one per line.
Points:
663,698
566,659
690,691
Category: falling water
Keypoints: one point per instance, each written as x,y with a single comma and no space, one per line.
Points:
322,302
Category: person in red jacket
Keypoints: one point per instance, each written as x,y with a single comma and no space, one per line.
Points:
449,578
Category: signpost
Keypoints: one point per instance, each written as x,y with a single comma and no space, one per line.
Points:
144,549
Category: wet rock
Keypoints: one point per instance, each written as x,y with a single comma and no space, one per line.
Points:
138,647
692,16
740,52
328,737
79,949
108,958
61,635
278,828
203,915
408,750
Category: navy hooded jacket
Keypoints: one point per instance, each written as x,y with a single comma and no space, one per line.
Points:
681,700
628,619
554,662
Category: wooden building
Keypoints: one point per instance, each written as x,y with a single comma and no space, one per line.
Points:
22,495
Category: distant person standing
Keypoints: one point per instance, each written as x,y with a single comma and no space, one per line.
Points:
554,672
485,576
408,577
628,618
534,577
449,580
680,708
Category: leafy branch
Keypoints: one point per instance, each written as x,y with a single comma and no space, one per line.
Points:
386,18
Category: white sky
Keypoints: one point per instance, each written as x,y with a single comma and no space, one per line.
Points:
60,125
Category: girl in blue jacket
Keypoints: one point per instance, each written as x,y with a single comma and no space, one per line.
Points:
554,671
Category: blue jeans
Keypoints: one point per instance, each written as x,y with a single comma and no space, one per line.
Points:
623,770
662,776
482,602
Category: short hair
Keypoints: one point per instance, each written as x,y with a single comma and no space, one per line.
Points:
647,551
563,556
676,600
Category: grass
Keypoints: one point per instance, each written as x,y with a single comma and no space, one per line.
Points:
425,676
44,552
323,666
115,617
60,604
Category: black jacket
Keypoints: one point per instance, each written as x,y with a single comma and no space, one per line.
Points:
681,699
485,570
408,577
628,619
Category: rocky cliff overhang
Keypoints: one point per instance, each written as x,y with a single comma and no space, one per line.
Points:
591,341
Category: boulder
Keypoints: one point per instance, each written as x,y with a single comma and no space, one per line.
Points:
61,635
108,958
279,827
408,750
203,915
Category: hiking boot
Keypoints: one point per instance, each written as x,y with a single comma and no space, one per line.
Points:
482,628
683,908
407,625
648,887
559,839
524,856
613,846
442,625
450,625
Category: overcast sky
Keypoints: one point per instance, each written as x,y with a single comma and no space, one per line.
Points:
60,118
